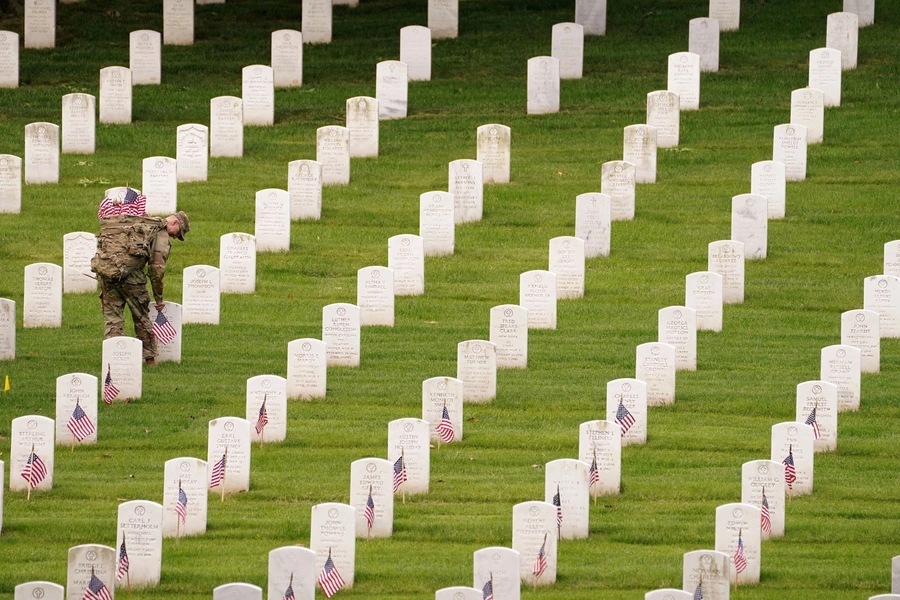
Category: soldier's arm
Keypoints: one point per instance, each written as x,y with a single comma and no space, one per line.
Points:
157,266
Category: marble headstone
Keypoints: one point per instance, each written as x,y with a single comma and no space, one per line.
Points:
493,152
341,334
271,389
145,57
79,124
795,439
122,361
860,329
533,528
509,333
316,27
41,153
726,12
44,590
882,295
640,150
406,257
891,258
567,263
362,123
895,575
31,433
865,11
789,147
87,559
820,396
476,367
375,476
750,224
375,296
237,591
569,478
191,474
79,248
115,95
411,437
593,223
443,18
664,113
10,184
237,263
726,257
42,306
677,326
192,152
466,185
273,221
767,178
438,392
758,476
9,59
668,594
500,565
632,394
306,369
711,568
655,366
703,293
72,389
391,89
825,74
703,40
287,58
537,294
140,523
437,222
7,329
40,23
294,566
840,365
737,520
305,189
178,22
200,295
543,85
160,185
684,79
415,51
232,433
258,94
226,126
842,34
333,529
567,46
808,109
170,352
592,15
603,440
333,152
617,180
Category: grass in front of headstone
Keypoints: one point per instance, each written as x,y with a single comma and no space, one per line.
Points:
838,541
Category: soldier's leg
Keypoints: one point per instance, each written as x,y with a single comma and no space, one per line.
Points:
112,305
138,299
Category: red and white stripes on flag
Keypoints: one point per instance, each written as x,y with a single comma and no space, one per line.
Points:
399,473
218,473
765,520
110,391
370,511
263,419
445,427
540,563
329,579
34,470
811,421
133,203
80,424
123,564
163,330
740,561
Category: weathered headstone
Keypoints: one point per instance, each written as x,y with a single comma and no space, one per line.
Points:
726,12
567,46
466,185
406,257
86,560
273,221
677,326
592,15
825,74
79,248
767,178
362,123
617,180
168,350
178,22
664,113
793,442
626,405
287,58
233,434
602,441
703,40
192,153
738,523
537,294
292,566
7,330
534,531
269,423
865,10
640,150
341,334
305,189
493,152
31,445
710,569
543,85
44,590
566,486
316,25
765,476
410,438
593,216
237,263
501,566
509,333
43,296
42,152
726,257
237,591
185,475
476,367
891,254
817,403
375,296
567,263
684,79
840,365
415,51
860,329
40,23
437,222
115,95
842,34
668,594
443,18
808,109
333,152
226,126
79,124
140,525
160,185
750,224
333,533
258,94
9,59
306,369
438,392
391,89
200,294
121,363
789,147
882,294
10,184
145,57
74,425
703,293
655,366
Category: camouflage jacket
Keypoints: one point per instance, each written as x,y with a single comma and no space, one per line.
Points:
126,245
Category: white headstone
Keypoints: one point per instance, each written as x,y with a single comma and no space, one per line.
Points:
821,397
703,293
85,559
140,524
726,257
145,57
341,334
537,294
709,569
737,521
840,365
79,248
664,113
292,566
502,566
860,329
808,109
362,123
200,294
411,438
677,326
192,153
567,480
476,367
493,152
287,58
40,23
655,366
7,329
865,10
305,189
237,263
415,51
42,152
316,26
306,369
375,296
509,334
543,85
121,362
602,440
882,295
9,59
684,79
567,46
842,34
170,351
79,124
789,147
750,224
269,424
10,184
891,254
765,476
39,589
534,529
76,389
458,592
43,296
825,74
591,14
895,575
767,178
333,152
703,40
273,220
640,150
466,185
178,22
726,12
443,18
226,126
626,405
333,530
258,94
617,180
237,591
668,594
795,440
189,475
160,185
406,257
115,95
438,392
31,435
593,216
437,222
567,263
232,433
391,89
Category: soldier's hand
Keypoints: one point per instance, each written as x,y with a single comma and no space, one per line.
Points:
160,306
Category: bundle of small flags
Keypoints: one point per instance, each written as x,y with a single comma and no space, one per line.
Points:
133,203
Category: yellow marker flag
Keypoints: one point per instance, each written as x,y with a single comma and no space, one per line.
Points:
6,385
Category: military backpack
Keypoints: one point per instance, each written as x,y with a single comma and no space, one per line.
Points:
124,245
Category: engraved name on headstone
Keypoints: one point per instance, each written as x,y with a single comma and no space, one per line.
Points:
602,440
567,263
373,477
842,34
76,389
640,150
509,333
712,569
664,113
121,360
341,334
415,51
145,57
273,221
315,18
677,326
438,392
41,152
567,46
42,306
31,436
537,294
684,79
292,566
79,124
258,94
825,74
306,369
466,185
493,152
808,109
631,395
726,12
7,329
593,216
140,524
655,366
362,123
750,224
188,475
443,18
178,22
817,402
269,423
10,184
882,294
840,365
40,23
502,567
726,257
333,152
592,15
617,180
406,257
160,185
79,248
533,530
305,189
391,89
9,59
789,147
410,438
226,126
737,521
767,178
200,294
765,476
333,531
115,95
192,153
703,40
90,559
703,293
437,222
232,433
543,85
476,367
287,58
795,440
567,480
891,253
170,351
375,296
237,263
860,329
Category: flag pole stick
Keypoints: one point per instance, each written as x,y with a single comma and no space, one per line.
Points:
790,485
128,572
109,373
224,470
492,582
262,430
178,518
740,531
594,487
369,527
558,508
30,473
73,435
403,464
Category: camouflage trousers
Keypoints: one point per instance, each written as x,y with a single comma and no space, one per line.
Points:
113,298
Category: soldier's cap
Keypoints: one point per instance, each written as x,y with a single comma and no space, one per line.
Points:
184,224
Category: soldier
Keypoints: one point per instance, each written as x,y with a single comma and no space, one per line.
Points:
125,246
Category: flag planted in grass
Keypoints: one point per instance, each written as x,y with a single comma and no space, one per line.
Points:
163,330
740,561
181,505
370,510
34,470
624,418
558,504
329,579
445,427
79,423
811,421
96,590
263,419
218,473
123,564
765,520
540,563
790,473
110,391
399,473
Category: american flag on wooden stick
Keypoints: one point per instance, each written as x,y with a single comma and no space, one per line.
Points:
163,330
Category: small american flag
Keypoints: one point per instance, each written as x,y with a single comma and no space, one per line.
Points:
790,473
811,421
218,473
593,473
624,418
329,579
110,391
445,427
181,505
370,511
540,563
399,473
766,522
133,203
34,470
698,593
163,330
740,561
487,592
558,504
289,592
80,424
263,419
123,564
96,590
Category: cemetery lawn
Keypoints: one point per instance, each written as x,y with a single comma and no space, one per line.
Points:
839,541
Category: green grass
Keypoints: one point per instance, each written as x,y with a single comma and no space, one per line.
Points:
839,540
